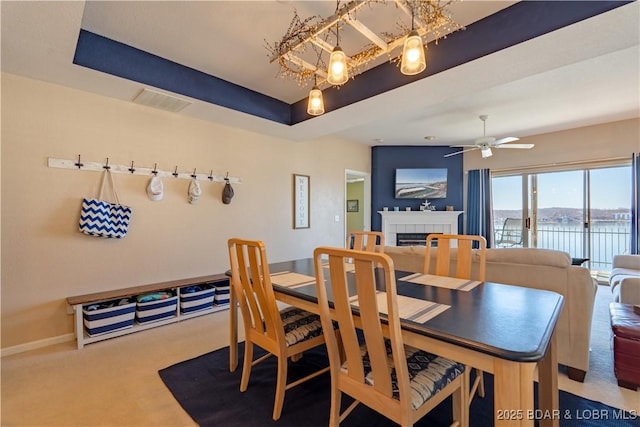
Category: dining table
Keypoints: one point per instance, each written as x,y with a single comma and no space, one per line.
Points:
505,330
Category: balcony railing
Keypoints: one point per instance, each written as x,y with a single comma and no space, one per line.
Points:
606,240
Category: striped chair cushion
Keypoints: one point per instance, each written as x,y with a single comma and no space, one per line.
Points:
300,325
428,373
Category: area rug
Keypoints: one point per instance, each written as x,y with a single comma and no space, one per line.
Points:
211,395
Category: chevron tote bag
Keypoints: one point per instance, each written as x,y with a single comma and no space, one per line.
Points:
101,218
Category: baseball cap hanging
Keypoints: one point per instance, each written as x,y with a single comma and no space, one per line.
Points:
195,191
227,191
155,189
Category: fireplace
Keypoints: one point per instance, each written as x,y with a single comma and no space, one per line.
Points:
412,239
417,222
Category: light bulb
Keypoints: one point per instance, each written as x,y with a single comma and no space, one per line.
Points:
337,67
413,55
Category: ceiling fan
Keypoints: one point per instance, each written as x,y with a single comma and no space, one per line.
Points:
486,143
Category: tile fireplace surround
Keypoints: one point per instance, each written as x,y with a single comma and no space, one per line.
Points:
394,222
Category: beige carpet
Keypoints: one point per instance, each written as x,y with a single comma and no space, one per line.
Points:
116,382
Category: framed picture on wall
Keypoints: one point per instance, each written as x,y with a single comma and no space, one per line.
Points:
352,205
301,201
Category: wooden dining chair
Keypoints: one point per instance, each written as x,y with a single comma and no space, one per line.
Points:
370,241
398,381
282,333
463,270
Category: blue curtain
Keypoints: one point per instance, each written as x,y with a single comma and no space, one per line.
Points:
479,218
635,204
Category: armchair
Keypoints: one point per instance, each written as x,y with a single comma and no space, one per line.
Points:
625,279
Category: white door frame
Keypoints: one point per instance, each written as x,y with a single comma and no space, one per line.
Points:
366,202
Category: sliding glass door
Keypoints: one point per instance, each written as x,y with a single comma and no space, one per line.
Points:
585,212
609,215
559,215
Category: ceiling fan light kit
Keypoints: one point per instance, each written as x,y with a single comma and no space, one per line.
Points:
486,143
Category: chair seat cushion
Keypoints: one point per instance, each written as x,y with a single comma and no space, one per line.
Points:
428,373
300,325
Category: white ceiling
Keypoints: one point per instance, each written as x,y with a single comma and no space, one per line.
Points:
583,74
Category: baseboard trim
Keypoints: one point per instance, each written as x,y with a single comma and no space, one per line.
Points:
33,345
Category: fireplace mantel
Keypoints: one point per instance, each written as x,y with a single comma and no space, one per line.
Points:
394,222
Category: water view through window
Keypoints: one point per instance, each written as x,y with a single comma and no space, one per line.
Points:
583,212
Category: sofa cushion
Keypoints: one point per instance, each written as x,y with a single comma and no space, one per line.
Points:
617,274
529,256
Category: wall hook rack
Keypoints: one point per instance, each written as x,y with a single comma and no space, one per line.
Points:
146,171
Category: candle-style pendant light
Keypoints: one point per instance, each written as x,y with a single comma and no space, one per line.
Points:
413,57
315,106
338,73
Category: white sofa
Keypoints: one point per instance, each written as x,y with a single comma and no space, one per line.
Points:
625,279
540,269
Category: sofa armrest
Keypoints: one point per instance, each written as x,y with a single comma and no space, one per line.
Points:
628,291
627,261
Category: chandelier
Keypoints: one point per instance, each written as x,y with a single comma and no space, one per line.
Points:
302,51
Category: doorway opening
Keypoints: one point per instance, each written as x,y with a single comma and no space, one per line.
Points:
357,201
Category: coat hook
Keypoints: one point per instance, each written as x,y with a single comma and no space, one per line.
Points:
155,169
106,166
193,175
226,178
175,172
79,164
210,175
132,169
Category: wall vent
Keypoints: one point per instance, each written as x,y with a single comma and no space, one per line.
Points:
161,101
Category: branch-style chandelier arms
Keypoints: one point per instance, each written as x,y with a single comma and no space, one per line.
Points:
430,20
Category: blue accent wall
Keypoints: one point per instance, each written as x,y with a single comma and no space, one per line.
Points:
386,159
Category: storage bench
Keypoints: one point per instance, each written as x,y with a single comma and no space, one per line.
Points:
103,315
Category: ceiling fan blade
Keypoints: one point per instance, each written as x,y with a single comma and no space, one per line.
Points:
516,146
505,140
461,151
464,145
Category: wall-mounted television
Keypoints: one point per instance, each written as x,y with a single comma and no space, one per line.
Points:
421,183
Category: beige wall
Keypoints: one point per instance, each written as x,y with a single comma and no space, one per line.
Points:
44,257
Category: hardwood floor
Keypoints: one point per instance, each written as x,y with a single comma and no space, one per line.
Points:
116,382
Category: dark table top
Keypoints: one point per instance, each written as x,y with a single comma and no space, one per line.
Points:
510,322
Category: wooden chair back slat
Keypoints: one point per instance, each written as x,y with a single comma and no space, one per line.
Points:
344,318
369,241
464,259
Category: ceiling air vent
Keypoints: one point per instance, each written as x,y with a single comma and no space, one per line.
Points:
159,100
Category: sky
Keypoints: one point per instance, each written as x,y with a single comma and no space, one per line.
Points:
610,189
